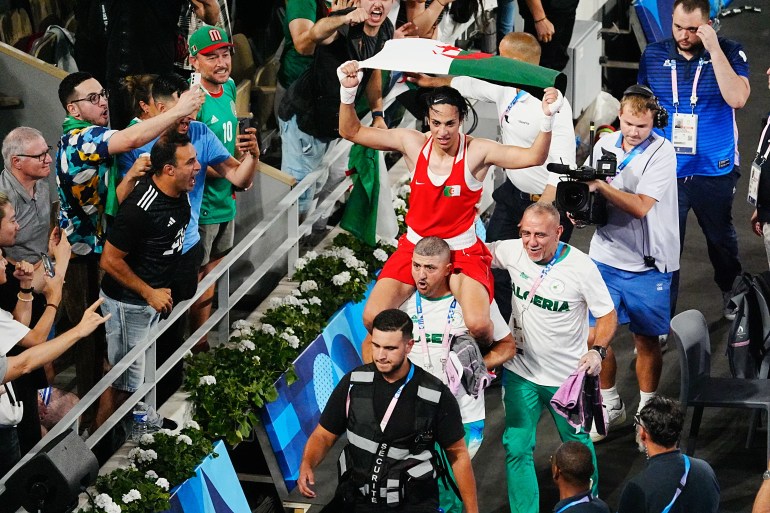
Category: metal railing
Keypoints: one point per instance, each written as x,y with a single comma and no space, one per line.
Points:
220,317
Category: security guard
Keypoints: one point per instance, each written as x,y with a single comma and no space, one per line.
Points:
394,413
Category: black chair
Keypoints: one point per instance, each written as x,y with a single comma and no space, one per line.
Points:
699,389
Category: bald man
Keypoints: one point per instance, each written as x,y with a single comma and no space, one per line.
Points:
519,114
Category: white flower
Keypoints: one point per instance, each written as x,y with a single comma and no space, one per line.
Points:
292,340
184,439
387,242
137,454
112,508
275,302
268,329
246,345
162,482
380,254
352,262
300,263
363,270
147,439
400,217
341,278
308,285
131,496
241,324
296,293
192,425
399,204
102,500
314,300
311,255
257,359
304,310
151,474
404,191
164,431
207,380
288,331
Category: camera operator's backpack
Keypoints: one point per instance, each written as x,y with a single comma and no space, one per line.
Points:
748,340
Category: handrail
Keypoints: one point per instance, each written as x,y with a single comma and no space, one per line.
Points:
219,275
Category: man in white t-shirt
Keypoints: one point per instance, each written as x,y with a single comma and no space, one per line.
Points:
638,249
442,316
519,114
554,287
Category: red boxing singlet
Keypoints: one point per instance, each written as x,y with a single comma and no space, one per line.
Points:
447,210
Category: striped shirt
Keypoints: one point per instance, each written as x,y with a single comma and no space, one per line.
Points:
716,140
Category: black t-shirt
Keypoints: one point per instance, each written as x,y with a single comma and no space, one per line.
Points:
449,424
652,490
579,504
149,227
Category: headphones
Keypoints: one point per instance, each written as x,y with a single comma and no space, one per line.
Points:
660,118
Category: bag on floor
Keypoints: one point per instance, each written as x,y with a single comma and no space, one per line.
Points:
748,340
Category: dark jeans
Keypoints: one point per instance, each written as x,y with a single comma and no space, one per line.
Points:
711,199
183,286
9,449
510,204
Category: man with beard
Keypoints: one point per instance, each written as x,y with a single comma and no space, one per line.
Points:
701,79
672,481
86,171
142,249
212,154
308,113
393,413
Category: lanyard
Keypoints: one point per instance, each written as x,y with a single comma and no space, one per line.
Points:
516,98
682,482
759,145
394,401
543,273
579,501
675,85
427,365
636,150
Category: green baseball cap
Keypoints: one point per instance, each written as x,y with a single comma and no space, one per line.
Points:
207,39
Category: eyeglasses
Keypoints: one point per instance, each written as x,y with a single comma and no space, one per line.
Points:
94,97
40,156
638,420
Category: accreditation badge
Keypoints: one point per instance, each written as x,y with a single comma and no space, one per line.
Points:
518,333
685,133
756,171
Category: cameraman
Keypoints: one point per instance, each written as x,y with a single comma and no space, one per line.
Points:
638,249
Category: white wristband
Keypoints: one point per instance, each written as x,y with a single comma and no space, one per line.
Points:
348,94
546,124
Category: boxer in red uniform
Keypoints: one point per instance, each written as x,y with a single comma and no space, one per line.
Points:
449,170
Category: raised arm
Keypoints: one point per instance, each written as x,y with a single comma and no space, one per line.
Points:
207,10
735,88
144,132
350,126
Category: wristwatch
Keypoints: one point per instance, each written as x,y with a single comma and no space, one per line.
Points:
766,475
601,350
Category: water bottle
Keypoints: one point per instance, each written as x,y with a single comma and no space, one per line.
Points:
139,426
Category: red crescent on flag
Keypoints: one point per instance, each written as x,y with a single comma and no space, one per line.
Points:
453,52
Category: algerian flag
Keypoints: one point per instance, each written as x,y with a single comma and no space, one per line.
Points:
417,55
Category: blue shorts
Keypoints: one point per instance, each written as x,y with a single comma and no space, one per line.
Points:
128,326
641,299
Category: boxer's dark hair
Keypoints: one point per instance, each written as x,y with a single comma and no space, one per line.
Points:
446,95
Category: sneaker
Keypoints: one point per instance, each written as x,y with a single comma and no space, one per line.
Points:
729,309
615,418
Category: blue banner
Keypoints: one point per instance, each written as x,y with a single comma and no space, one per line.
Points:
291,418
214,489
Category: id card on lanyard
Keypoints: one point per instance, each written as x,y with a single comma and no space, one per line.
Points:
756,167
427,364
517,328
684,135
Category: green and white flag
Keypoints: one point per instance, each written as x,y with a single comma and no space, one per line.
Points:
418,55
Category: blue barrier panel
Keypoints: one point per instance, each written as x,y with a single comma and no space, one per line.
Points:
214,489
291,418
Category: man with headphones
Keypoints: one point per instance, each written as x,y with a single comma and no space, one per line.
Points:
638,249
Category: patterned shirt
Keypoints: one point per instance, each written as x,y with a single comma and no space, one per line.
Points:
82,161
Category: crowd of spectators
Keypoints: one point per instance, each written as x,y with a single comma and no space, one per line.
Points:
150,160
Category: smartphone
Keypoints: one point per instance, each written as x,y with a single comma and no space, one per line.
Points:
48,267
195,80
243,124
